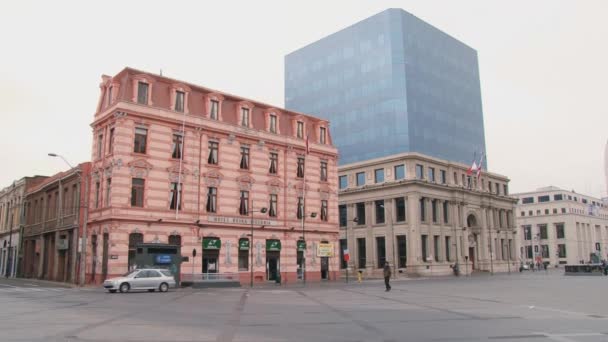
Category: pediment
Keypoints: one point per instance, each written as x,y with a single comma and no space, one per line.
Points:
140,163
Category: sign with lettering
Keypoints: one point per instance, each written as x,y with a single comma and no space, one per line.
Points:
273,245
212,243
325,250
244,244
241,220
163,259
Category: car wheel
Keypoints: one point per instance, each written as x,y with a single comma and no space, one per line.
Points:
163,287
112,291
124,287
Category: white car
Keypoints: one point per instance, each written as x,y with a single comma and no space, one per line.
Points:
142,279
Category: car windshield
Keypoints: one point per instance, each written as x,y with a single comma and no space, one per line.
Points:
130,273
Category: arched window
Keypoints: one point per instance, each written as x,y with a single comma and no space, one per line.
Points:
134,240
175,240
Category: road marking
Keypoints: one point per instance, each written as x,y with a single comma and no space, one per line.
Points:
8,285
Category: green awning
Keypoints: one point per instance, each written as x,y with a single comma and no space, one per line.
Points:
244,244
301,245
273,245
212,243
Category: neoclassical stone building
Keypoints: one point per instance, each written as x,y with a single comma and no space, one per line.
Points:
423,214
180,171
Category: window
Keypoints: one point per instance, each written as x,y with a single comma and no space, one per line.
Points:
243,254
402,250
179,101
324,171
211,200
423,209
175,196
561,250
529,253
343,246
380,251
300,130
559,231
543,198
244,203
379,205
272,211
545,251
244,158
343,218
419,171
444,179
137,192
360,213
530,213
446,210
563,210
436,247
546,211
505,189
177,147
431,174
139,145
142,93
300,209
322,135
108,191
245,117
434,210
555,210
379,175
273,124
360,178
527,200
361,252
175,240
497,188
527,233
523,213
111,141
99,145
543,231
423,244
324,210
213,110
300,171
97,187
109,99
274,163
448,257
213,149
343,182
400,209
399,172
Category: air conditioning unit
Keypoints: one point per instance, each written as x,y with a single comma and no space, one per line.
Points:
62,244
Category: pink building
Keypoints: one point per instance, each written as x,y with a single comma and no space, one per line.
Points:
232,157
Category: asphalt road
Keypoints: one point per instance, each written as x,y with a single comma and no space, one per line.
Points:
518,307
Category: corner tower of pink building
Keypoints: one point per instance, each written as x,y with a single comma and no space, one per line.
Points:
182,175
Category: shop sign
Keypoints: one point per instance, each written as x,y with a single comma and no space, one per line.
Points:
163,259
301,245
244,244
241,220
325,250
212,243
273,245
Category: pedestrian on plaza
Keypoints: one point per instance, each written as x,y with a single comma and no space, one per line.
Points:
387,276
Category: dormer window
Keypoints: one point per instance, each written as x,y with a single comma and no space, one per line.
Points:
179,101
273,124
109,96
245,117
142,93
213,109
300,130
322,135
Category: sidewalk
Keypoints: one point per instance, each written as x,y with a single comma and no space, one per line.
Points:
35,282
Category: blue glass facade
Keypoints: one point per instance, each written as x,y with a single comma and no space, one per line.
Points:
391,84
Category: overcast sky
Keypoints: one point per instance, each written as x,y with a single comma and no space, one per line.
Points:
543,67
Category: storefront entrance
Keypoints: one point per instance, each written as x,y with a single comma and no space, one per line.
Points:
273,260
472,257
301,248
211,255
324,268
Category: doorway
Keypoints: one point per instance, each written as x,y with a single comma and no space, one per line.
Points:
472,257
324,268
210,261
104,256
273,265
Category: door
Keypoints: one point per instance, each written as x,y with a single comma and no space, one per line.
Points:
272,265
139,280
324,268
94,257
153,279
104,257
472,257
210,261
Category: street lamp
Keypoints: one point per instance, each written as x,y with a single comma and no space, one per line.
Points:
83,244
390,216
262,210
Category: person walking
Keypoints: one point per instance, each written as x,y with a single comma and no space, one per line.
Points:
387,276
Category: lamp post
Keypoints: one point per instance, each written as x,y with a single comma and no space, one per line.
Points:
83,244
312,215
262,210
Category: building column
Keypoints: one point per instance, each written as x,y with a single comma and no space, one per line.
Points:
442,255
370,251
41,257
413,232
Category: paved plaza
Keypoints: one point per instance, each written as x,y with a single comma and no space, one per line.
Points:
518,307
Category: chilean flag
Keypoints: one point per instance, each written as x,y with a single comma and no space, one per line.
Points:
472,169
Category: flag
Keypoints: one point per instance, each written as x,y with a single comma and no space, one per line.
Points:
307,147
473,167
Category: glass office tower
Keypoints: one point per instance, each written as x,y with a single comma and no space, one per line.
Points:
389,84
